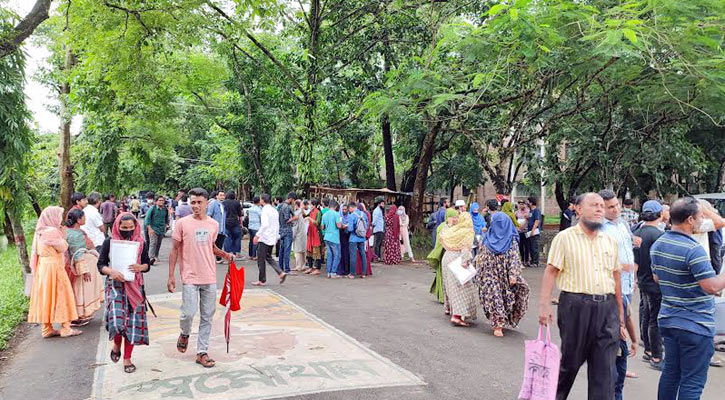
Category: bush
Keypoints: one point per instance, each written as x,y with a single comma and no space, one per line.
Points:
14,304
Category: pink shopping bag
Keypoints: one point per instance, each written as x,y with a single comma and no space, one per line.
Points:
541,373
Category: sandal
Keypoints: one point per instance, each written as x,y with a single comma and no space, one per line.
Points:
80,322
258,283
73,332
204,360
182,343
129,369
282,277
115,356
51,334
458,322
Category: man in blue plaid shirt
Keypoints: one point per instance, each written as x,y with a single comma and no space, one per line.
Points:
628,214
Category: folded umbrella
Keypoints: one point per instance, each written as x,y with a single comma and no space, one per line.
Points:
232,295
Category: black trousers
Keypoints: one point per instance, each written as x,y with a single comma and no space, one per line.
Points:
589,330
264,256
377,244
524,251
534,249
219,242
649,309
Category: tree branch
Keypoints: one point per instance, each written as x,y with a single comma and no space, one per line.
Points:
10,42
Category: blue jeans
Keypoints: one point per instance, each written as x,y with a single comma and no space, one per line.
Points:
620,365
233,242
354,247
333,257
252,246
285,251
686,364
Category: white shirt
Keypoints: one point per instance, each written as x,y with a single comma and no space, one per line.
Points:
700,234
269,231
94,221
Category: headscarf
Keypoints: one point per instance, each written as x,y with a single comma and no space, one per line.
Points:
500,234
508,209
47,233
404,219
394,221
458,236
478,221
133,288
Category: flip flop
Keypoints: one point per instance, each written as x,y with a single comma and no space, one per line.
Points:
129,369
52,334
73,332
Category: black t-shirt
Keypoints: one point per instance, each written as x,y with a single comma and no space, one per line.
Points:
649,235
566,218
232,212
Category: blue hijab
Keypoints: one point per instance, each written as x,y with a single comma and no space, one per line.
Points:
501,233
478,221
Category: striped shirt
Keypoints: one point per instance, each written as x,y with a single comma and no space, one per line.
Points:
679,262
619,231
586,265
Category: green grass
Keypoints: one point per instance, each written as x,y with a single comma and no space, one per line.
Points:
552,219
14,304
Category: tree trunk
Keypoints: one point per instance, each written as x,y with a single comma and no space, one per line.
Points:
421,177
307,146
65,168
256,151
721,177
8,229
22,248
387,136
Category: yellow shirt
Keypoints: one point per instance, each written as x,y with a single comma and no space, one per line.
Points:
585,265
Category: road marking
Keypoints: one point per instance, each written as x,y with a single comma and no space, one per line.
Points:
277,349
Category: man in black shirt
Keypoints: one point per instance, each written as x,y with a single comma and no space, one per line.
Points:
567,216
650,296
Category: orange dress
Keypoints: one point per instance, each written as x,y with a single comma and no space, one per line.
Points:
51,296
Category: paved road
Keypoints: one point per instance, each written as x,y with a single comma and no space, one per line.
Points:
392,313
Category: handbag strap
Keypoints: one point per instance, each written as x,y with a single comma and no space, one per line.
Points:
548,334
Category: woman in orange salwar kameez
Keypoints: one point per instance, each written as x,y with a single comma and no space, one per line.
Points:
51,296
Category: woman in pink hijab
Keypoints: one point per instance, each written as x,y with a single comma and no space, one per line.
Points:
125,299
51,296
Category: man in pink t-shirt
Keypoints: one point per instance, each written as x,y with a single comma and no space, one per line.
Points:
194,237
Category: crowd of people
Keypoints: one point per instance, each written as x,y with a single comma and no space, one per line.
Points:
601,255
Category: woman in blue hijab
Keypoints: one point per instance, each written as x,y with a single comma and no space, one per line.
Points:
479,226
503,292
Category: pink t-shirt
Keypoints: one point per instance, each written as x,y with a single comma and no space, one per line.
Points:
197,263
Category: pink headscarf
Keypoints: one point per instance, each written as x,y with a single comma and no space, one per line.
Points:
133,288
47,232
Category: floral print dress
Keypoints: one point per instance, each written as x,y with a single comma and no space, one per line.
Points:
503,304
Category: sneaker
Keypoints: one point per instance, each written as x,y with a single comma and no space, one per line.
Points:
657,365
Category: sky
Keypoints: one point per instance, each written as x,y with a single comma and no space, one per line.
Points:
39,97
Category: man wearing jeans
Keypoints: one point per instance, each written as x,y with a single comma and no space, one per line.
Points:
286,223
331,224
265,238
357,243
533,232
378,228
254,215
687,281
194,248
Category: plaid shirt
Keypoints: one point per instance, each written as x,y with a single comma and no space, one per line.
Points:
630,216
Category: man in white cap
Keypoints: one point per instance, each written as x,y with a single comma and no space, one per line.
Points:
460,206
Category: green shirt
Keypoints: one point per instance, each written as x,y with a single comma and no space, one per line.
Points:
157,218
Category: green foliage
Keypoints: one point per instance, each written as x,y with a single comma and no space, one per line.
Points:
14,304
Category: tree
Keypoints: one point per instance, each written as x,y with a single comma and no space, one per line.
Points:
12,36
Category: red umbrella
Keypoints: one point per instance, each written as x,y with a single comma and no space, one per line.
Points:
231,295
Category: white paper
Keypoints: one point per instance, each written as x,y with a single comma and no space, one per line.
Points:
123,254
462,274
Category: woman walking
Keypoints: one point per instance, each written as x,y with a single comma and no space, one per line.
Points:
299,234
503,291
479,225
405,234
456,238
51,295
435,257
82,259
391,243
125,315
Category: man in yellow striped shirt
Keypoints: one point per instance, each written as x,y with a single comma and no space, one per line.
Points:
583,261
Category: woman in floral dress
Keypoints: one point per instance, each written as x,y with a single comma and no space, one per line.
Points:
503,291
391,243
